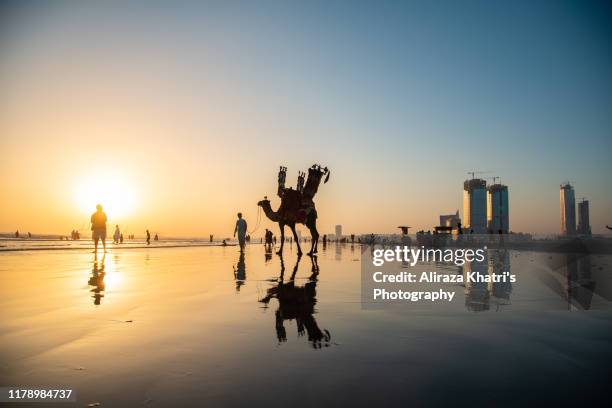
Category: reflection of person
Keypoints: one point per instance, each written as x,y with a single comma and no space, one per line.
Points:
98,227
240,272
241,229
97,281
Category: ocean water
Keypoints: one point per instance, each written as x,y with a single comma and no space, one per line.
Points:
36,244
206,326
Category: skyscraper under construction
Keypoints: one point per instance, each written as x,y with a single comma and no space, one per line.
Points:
584,226
497,209
475,205
568,209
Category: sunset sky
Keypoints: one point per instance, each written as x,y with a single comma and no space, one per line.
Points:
179,113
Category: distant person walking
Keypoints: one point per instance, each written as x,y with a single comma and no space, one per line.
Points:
121,238
241,229
98,227
268,240
116,235
156,238
148,238
17,234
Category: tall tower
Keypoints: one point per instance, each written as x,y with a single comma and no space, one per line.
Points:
475,205
583,218
338,231
568,209
497,209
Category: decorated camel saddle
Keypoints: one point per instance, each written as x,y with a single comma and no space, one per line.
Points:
300,201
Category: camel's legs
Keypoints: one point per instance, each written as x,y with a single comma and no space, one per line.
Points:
282,274
295,237
295,268
315,237
282,238
315,268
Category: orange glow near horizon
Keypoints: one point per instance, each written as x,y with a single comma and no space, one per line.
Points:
115,193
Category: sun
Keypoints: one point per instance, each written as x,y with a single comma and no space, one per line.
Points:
114,192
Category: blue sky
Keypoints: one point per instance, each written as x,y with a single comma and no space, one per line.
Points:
400,99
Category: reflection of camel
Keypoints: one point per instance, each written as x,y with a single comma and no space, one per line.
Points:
297,302
297,206
97,281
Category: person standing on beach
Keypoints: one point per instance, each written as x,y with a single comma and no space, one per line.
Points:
268,239
98,227
148,238
117,234
241,229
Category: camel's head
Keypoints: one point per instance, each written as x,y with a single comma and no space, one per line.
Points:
263,202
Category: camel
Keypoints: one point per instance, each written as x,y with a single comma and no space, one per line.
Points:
297,206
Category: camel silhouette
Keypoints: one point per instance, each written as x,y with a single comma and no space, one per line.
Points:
297,206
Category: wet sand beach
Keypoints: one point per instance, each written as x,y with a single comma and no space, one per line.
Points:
187,327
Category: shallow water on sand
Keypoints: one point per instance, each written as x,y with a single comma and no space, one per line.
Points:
204,326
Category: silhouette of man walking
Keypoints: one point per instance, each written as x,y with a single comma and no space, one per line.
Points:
98,227
241,229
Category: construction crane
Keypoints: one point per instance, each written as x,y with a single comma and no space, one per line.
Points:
473,173
496,179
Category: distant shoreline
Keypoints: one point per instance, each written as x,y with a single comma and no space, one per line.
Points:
68,248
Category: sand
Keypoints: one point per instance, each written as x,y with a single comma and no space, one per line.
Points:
186,327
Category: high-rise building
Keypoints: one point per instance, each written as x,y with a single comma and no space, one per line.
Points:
568,209
497,209
583,218
338,231
475,206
